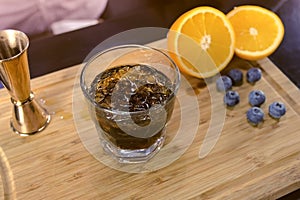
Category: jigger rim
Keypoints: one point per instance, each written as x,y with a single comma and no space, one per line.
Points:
15,32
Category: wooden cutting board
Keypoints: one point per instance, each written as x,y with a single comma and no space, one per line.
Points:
246,162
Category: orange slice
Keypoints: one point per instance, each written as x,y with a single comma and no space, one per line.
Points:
201,42
258,31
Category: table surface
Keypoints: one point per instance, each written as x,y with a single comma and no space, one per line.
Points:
54,53
66,160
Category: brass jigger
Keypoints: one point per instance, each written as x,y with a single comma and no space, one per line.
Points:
29,117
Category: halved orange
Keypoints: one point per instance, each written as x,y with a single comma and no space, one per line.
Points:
201,42
258,31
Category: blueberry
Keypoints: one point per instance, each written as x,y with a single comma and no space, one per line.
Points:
277,110
255,115
224,83
231,98
256,98
253,75
236,76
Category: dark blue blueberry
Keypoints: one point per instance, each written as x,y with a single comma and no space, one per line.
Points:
231,98
224,83
253,75
236,76
256,98
255,115
277,110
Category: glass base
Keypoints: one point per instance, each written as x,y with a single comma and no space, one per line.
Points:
129,155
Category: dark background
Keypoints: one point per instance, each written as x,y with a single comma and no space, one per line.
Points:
47,54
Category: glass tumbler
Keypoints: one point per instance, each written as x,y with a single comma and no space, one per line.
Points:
130,92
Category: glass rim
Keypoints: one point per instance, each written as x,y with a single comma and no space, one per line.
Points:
119,112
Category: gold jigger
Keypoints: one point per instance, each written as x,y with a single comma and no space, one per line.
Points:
29,117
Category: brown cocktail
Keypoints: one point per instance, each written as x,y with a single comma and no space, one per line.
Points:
131,103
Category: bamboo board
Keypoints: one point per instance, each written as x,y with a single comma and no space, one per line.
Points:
245,163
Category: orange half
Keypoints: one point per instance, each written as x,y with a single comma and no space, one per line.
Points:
258,31
201,42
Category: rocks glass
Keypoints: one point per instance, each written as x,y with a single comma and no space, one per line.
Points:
130,92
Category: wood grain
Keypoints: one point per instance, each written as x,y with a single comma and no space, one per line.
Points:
246,162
